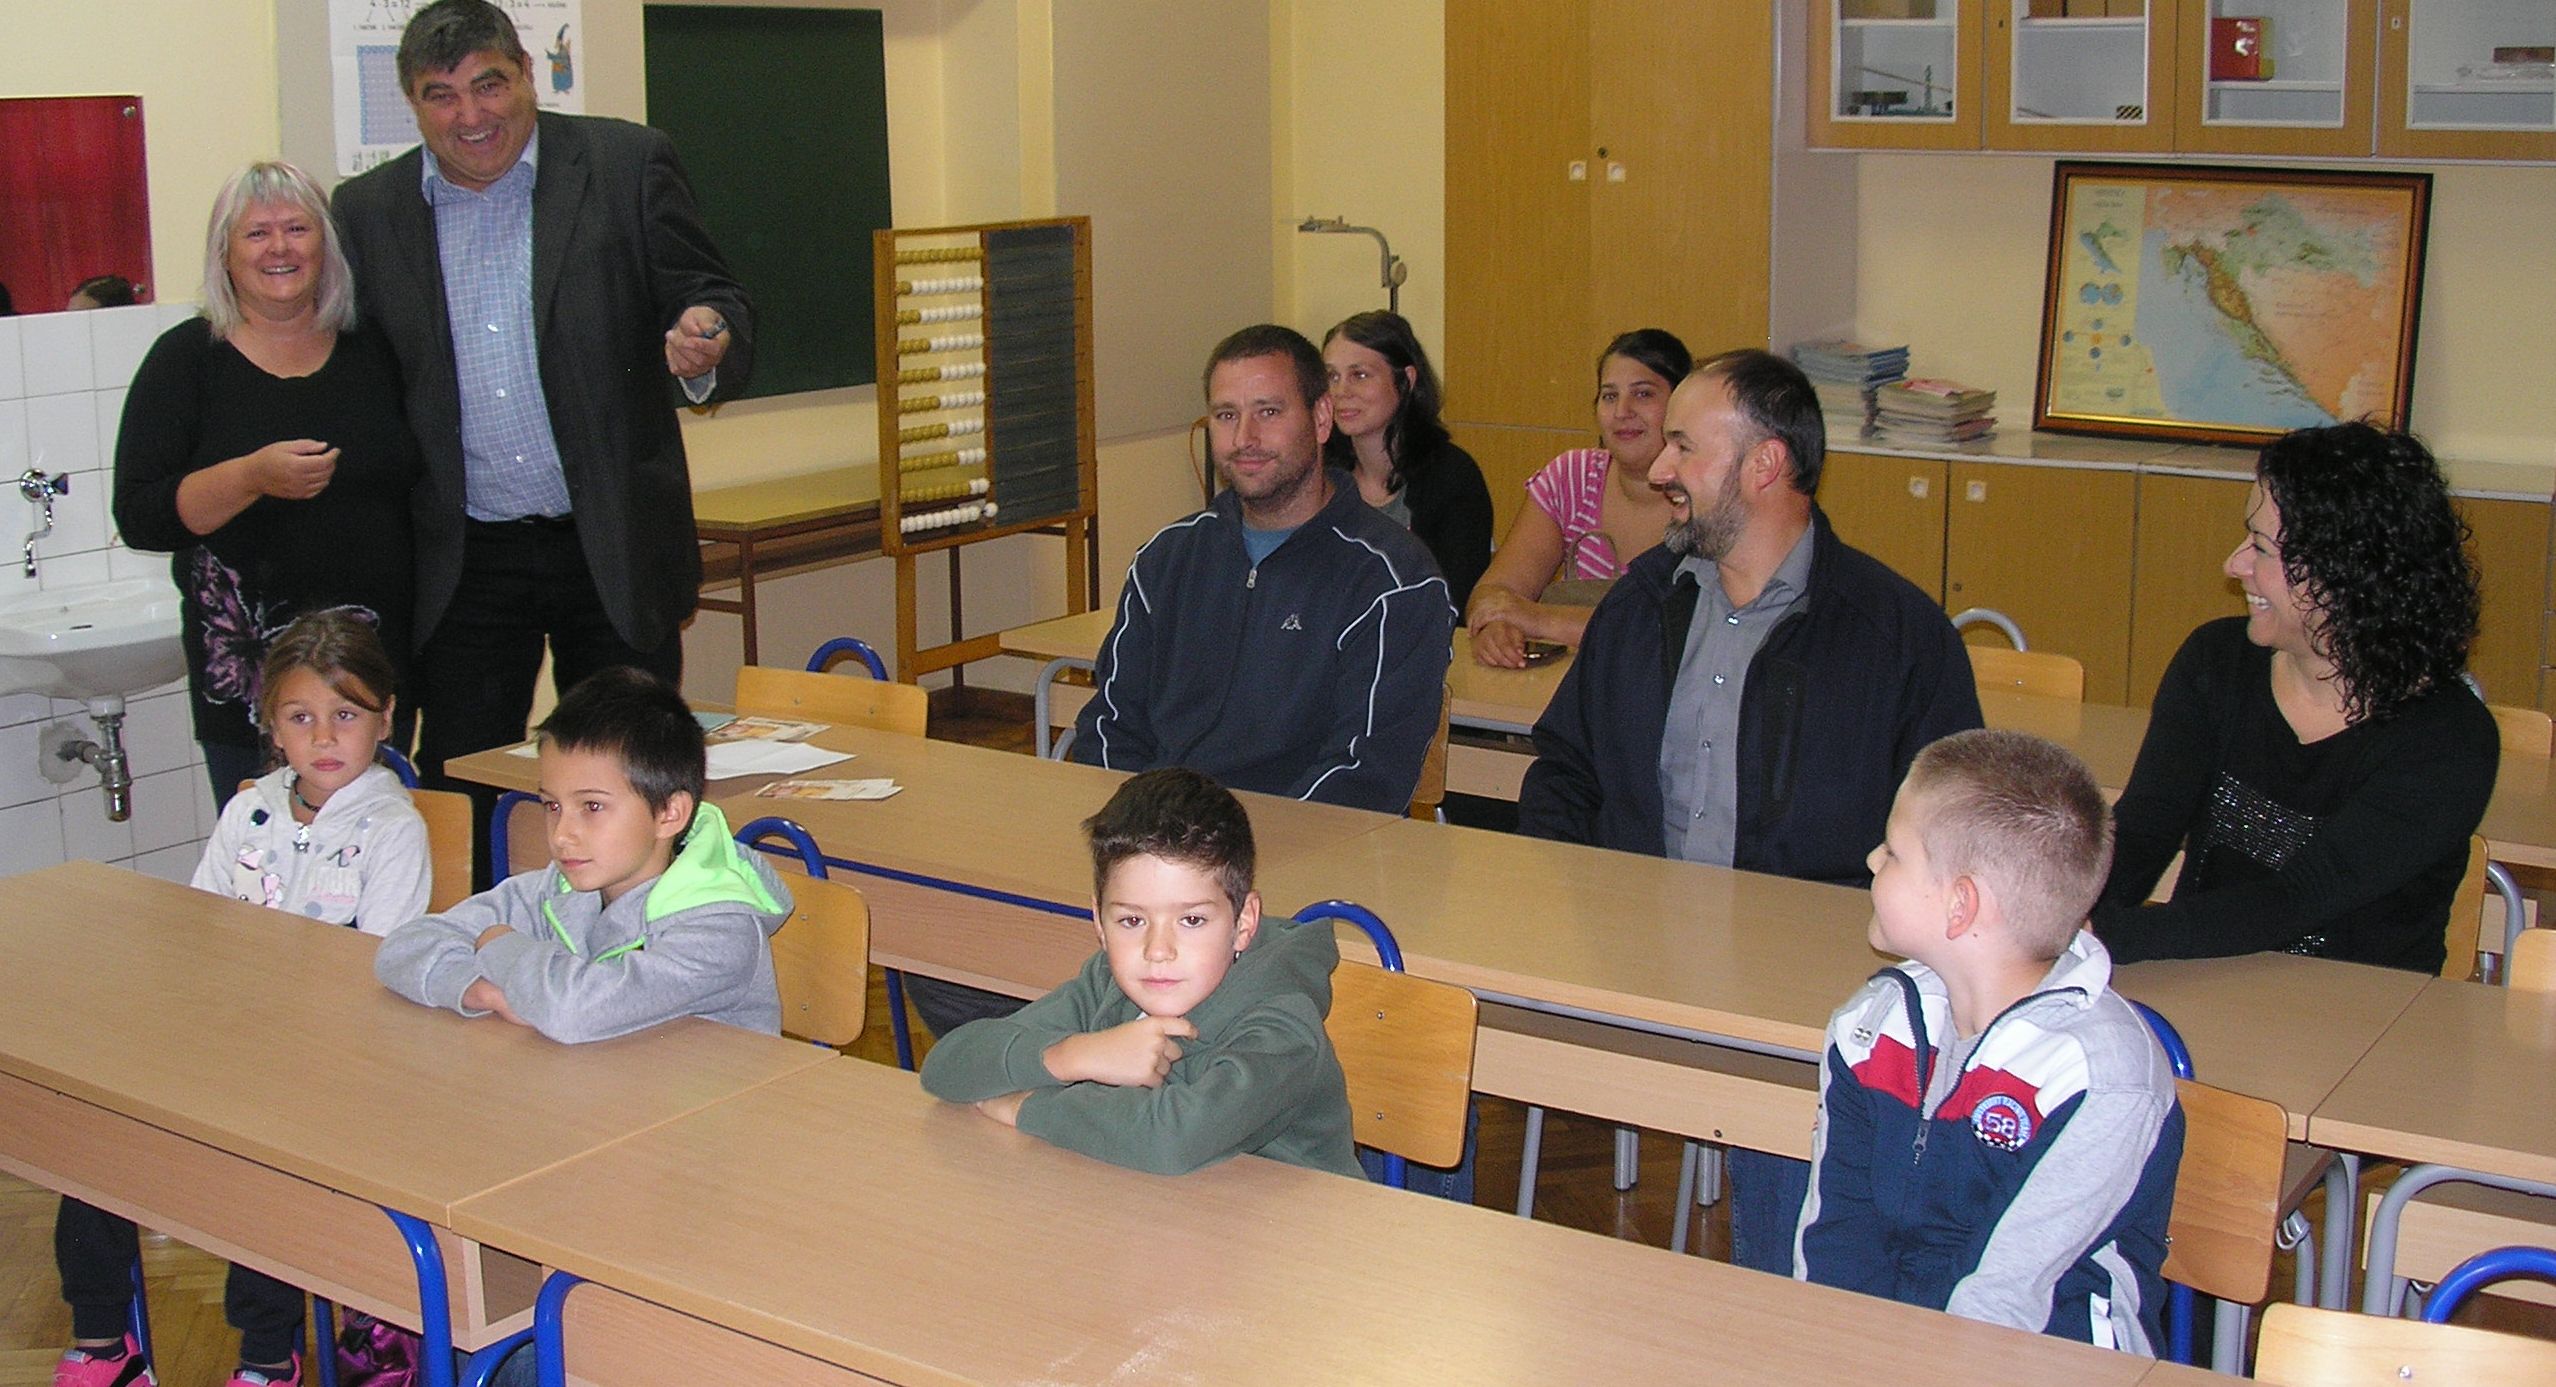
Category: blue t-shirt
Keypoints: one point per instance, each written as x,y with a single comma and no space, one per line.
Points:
1260,544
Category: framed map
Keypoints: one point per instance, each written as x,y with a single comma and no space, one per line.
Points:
2228,305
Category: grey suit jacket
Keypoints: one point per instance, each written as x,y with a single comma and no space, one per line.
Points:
618,253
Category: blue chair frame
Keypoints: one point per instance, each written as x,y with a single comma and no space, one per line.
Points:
826,654
399,763
2183,1303
818,663
1397,1171
2482,1270
802,844
501,863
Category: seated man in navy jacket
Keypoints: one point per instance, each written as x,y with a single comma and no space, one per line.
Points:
1751,693
1289,639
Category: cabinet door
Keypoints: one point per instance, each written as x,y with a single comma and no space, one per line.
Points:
1891,508
2443,94
2097,77
2275,77
2510,552
1519,343
2050,547
1894,74
2187,528
1509,456
1683,118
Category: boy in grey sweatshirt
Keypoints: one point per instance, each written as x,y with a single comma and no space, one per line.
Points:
648,910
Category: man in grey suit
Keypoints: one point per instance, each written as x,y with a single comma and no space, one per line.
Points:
552,298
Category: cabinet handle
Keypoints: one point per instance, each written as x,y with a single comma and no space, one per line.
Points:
1918,487
1614,171
1579,171
1974,491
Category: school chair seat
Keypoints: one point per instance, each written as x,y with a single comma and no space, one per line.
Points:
2524,730
2465,950
1406,1047
449,843
821,954
797,695
2302,1347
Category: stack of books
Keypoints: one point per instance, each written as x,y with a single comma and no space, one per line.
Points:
1914,412
1846,374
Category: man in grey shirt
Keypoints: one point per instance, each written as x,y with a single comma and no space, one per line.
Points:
1751,693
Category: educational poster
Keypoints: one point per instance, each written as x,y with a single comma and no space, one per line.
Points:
373,121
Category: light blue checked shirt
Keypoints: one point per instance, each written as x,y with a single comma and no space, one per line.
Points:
510,459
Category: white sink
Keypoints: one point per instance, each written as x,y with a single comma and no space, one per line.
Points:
91,641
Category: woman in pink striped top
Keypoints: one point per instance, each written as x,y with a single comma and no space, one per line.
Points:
1589,510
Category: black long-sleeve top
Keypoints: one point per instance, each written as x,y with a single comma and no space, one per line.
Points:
2349,847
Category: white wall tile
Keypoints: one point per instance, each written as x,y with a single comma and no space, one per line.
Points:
13,440
54,349
174,313
208,815
80,517
117,339
18,708
163,810
87,835
159,735
30,837
110,420
62,433
13,377
71,570
125,563
171,864
14,581
21,779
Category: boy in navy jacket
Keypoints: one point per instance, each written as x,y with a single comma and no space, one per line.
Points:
1998,1130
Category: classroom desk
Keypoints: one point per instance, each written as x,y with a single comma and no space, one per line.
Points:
784,526
257,1094
2461,1079
838,1222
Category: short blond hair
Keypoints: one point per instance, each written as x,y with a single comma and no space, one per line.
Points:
2025,815
272,183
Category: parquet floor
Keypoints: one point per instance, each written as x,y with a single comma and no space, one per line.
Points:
1576,1190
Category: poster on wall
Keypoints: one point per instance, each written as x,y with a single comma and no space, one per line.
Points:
373,120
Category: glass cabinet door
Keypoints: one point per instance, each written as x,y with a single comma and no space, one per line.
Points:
2080,74
1894,74
2468,79
2276,77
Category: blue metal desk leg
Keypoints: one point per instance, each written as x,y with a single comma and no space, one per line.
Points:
550,1344
434,1308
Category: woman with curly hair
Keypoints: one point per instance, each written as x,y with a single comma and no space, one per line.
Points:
2319,760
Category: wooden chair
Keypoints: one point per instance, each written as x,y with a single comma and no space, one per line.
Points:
2228,1193
821,959
2463,943
1428,801
2524,729
2028,671
2303,1347
797,695
451,840
1406,1047
2532,966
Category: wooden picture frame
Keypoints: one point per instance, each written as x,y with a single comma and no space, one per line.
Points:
2211,304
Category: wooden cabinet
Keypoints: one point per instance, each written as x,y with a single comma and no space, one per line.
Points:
2446,93
2099,82
2051,548
2188,525
1891,508
1607,168
2510,550
2314,96
1897,74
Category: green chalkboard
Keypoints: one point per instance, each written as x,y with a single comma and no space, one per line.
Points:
780,118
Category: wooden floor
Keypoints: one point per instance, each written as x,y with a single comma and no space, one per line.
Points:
1576,1190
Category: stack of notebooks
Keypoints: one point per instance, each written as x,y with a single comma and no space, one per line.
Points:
1913,412
1846,375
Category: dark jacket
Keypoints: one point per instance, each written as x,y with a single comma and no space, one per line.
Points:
1847,689
1317,675
618,253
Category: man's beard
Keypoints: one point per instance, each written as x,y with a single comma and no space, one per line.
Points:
1709,534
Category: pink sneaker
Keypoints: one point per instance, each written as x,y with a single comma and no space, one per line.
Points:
245,1376
80,1368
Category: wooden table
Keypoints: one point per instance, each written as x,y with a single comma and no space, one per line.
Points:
784,526
2462,1078
838,1222
256,1093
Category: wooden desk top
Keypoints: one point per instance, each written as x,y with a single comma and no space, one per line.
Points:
784,501
842,1214
973,815
1076,637
2276,1026
2460,1079
265,1035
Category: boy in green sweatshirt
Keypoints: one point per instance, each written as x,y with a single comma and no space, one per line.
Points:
1196,1033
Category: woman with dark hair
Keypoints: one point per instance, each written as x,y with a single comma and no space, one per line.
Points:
1385,431
2320,760
1589,511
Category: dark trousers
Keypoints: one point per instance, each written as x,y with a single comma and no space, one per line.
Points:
524,585
95,1250
946,1006
1767,1193
227,764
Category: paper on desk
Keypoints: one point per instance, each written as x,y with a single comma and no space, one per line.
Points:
829,789
731,759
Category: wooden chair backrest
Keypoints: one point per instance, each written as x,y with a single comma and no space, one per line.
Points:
2227,1193
821,959
1432,791
2466,916
1406,1045
844,700
451,842
2028,671
2532,966
2524,729
2304,1347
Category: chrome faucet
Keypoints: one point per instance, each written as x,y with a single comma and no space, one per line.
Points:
40,488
